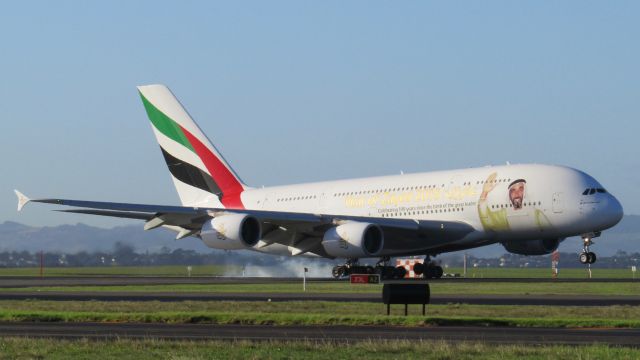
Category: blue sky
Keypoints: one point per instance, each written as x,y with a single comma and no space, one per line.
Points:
304,91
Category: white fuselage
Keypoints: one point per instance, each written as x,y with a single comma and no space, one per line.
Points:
548,201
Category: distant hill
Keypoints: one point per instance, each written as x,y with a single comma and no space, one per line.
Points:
629,224
75,238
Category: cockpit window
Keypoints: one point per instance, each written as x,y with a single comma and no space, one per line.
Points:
592,191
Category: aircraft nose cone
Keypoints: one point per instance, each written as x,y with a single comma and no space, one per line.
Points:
616,210
613,212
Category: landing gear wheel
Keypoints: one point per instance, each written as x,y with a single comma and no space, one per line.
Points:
584,258
385,272
351,267
399,272
433,272
383,268
418,268
438,272
588,257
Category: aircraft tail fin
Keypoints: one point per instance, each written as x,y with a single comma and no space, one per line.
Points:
200,174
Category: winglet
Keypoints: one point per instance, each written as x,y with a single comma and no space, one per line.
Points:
22,199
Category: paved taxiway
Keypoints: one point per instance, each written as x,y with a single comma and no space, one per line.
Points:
496,335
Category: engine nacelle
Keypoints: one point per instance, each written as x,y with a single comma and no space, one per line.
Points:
231,232
353,240
532,247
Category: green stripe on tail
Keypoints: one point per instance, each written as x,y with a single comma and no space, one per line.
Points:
165,124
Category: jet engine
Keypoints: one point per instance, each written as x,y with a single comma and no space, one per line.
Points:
532,247
231,232
353,240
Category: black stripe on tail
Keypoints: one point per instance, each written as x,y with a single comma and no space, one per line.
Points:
190,174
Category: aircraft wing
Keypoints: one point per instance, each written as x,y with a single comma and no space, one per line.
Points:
189,220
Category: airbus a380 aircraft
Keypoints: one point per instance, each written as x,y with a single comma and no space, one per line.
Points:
529,209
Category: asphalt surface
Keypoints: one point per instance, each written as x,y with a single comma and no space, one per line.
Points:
495,335
557,300
33,281
16,283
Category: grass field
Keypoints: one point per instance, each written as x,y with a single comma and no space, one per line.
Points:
169,270
317,313
324,307
440,288
545,273
12,348
219,270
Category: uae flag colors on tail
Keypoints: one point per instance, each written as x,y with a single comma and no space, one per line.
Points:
200,174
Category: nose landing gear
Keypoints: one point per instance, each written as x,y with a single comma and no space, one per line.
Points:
586,256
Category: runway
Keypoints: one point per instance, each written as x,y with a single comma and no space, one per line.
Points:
556,300
34,281
15,283
14,288
494,335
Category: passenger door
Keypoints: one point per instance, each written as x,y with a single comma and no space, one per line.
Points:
557,204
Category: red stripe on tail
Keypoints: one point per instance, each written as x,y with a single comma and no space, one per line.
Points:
227,182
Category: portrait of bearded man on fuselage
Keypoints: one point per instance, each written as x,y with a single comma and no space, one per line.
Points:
516,193
516,215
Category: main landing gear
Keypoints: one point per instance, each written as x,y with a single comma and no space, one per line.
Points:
428,269
382,268
387,271
586,256
351,267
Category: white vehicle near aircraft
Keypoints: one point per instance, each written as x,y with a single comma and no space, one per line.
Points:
528,208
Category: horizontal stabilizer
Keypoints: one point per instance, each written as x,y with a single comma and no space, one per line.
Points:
22,199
